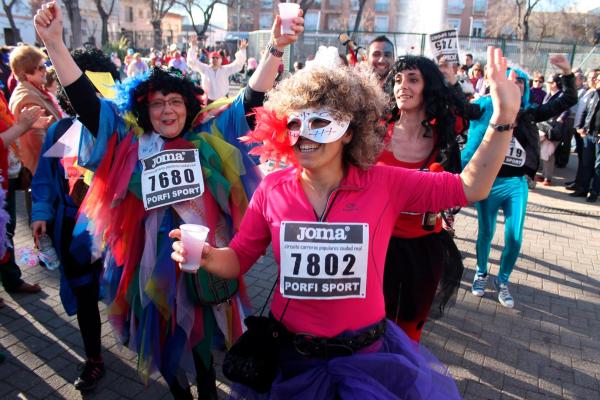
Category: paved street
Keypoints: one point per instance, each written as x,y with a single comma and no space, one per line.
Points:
547,347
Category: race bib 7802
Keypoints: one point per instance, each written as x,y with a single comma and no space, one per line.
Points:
324,261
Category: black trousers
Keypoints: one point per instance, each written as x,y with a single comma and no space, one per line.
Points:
206,380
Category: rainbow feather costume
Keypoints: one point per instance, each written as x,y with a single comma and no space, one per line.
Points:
150,304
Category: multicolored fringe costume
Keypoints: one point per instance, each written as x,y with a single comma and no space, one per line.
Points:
160,312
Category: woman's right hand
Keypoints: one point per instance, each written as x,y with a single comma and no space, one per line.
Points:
48,23
178,254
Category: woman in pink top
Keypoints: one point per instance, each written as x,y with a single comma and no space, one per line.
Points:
329,219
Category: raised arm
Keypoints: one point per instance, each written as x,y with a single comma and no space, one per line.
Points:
239,61
568,98
48,23
480,173
263,78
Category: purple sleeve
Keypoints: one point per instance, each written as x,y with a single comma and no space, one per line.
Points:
420,191
254,236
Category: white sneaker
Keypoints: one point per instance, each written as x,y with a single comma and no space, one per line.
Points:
479,284
504,296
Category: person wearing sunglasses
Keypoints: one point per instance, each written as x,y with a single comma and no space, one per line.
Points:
510,189
160,163
537,94
329,218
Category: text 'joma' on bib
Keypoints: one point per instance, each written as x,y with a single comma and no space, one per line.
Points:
325,261
515,155
171,176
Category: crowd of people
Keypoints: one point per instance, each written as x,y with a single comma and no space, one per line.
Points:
370,150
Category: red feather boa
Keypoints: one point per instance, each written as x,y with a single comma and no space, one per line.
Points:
272,133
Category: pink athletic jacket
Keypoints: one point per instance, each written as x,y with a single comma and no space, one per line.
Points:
376,197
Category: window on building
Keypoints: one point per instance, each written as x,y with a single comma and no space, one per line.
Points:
351,21
480,6
265,20
478,28
354,5
456,6
315,4
141,13
311,21
381,23
382,5
334,3
333,22
129,14
454,23
266,4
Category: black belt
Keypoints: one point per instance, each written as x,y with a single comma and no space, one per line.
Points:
326,348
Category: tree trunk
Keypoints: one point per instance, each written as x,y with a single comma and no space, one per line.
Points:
104,34
74,14
11,21
361,7
157,34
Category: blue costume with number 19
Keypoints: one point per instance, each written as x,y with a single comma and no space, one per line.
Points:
510,190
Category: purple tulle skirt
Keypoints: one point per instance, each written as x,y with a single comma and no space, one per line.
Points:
394,367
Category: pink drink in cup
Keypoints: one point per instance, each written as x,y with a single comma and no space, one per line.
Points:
287,12
193,237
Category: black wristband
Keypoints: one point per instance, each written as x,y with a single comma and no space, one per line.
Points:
274,51
504,127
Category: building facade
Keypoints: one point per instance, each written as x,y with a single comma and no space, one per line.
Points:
468,17
134,23
321,16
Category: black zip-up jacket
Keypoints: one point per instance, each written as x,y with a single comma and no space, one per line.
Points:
589,119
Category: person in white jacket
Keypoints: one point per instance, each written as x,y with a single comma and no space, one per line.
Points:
215,77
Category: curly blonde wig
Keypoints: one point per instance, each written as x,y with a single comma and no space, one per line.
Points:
345,92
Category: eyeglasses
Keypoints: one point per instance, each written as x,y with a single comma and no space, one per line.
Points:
159,105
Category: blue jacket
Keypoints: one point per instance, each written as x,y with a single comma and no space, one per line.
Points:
53,204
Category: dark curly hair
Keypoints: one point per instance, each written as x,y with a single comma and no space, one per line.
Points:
94,60
165,82
441,104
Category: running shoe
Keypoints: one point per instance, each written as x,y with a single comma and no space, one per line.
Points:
504,296
479,285
92,373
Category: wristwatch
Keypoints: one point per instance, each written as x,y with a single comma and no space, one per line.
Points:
504,127
276,53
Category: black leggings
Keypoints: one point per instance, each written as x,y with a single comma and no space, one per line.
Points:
84,281
88,317
206,380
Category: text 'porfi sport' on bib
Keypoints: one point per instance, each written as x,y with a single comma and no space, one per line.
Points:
171,176
515,154
325,261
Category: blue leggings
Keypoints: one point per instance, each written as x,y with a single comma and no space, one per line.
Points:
510,194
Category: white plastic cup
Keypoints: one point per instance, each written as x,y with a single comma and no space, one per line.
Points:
193,237
287,12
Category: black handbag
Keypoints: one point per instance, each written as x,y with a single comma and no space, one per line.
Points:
254,359
553,130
